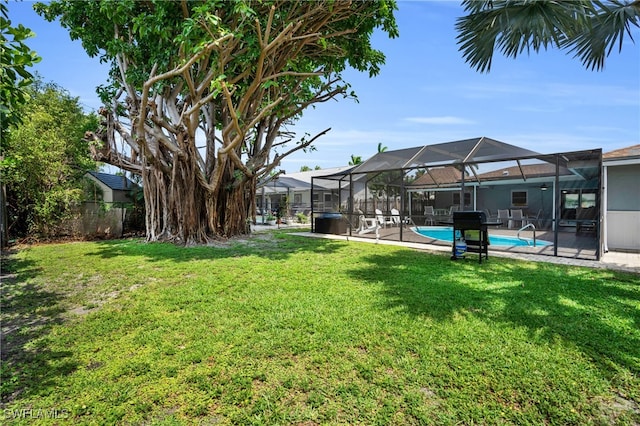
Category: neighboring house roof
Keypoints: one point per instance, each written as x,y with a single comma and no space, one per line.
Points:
632,151
299,181
284,183
451,175
438,176
306,176
528,170
114,182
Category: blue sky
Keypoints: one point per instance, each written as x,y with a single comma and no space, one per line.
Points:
425,93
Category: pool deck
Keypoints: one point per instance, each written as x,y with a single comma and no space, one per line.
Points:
615,260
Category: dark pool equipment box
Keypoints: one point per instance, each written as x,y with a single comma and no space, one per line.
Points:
330,223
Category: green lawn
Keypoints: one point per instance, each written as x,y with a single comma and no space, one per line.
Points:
281,329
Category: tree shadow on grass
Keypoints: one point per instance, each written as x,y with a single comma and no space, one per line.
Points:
276,246
596,310
28,313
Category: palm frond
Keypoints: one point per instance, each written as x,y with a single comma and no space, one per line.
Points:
516,26
607,28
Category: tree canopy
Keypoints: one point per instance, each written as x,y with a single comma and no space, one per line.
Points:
355,160
44,158
16,57
588,29
201,93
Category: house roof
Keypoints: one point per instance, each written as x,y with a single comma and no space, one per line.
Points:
306,176
283,184
446,176
526,170
632,151
299,181
438,176
114,182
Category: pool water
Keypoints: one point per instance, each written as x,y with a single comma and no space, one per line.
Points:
445,233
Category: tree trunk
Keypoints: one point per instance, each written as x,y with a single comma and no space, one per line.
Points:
4,218
180,209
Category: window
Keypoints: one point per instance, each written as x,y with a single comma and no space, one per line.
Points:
297,198
570,200
587,200
519,199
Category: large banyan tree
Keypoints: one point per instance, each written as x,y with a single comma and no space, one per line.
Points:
201,92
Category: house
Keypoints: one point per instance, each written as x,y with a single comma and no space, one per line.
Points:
114,188
294,190
100,216
621,174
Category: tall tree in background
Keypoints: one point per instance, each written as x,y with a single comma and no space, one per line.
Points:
200,93
588,29
16,57
44,158
355,160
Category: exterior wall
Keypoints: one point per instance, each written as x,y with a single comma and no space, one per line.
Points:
500,198
118,196
107,193
623,190
305,200
623,207
623,230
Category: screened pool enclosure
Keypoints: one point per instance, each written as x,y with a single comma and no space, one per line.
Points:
545,203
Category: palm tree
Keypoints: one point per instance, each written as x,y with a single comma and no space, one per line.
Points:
588,29
355,160
381,148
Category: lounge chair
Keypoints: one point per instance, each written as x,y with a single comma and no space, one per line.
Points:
395,217
383,221
367,224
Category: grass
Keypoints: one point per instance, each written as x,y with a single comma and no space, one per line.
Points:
282,329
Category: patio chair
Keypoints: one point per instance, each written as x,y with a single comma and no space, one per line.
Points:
516,217
367,224
429,215
383,221
490,217
453,208
537,220
586,220
503,215
395,217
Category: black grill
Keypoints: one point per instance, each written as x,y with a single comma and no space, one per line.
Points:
478,240
469,220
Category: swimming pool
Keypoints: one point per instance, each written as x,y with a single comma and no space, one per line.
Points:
445,233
